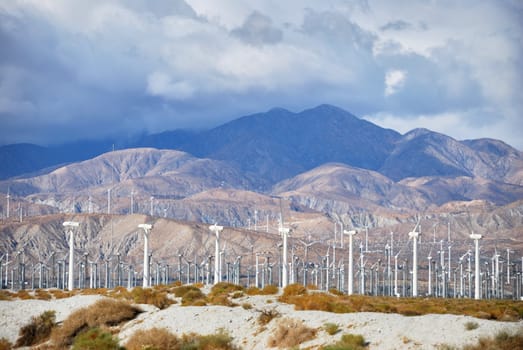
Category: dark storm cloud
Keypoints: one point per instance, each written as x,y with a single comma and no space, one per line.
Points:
258,29
96,68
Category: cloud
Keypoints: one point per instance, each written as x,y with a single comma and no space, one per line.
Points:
96,68
394,80
396,25
258,30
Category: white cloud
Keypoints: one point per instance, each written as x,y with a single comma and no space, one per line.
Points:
394,81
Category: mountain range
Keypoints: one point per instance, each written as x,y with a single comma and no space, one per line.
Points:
322,159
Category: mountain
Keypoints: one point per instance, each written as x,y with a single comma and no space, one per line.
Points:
168,173
280,144
341,188
422,152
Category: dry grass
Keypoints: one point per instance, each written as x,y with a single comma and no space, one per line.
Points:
222,292
42,294
501,341
290,333
38,330
348,342
23,294
267,290
5,344
60,294
292,290
105,312
5,295
158,338
267,315
501,310
154,338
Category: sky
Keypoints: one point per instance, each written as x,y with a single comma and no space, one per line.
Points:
83,69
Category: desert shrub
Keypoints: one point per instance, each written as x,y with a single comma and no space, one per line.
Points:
42,294
290,333
95,291
194,297
237,295
348,342
95,339
247,306
471,325
220,340
150,296
23,295
269,289
331,328
335,291
253,291
179,292
60,294
293,290
154,338
225,288
222,299
38,330
267,315
501,341
5,344
105,312
5,295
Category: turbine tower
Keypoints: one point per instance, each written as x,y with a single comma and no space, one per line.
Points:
350,233
146,228
476,237
70,225
414,235
8,197
284,232
216,229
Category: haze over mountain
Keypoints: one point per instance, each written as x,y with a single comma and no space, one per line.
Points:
323,159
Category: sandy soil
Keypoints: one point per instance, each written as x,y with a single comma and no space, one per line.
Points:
382,331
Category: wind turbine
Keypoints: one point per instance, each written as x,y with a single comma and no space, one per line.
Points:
8,197
217,273
476,237
350,286
146,228
414,235
71,225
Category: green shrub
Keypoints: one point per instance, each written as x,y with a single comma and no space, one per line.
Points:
95,339
105,312
348,342
501,341
471,325
38,330
331,328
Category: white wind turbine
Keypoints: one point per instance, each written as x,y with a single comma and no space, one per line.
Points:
146,228
71,225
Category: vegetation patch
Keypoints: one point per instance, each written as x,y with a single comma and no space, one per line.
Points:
105,312
501,310
290,333
38,330
331,328
160,338
267,315
348,342
96,339
501,341
469,326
